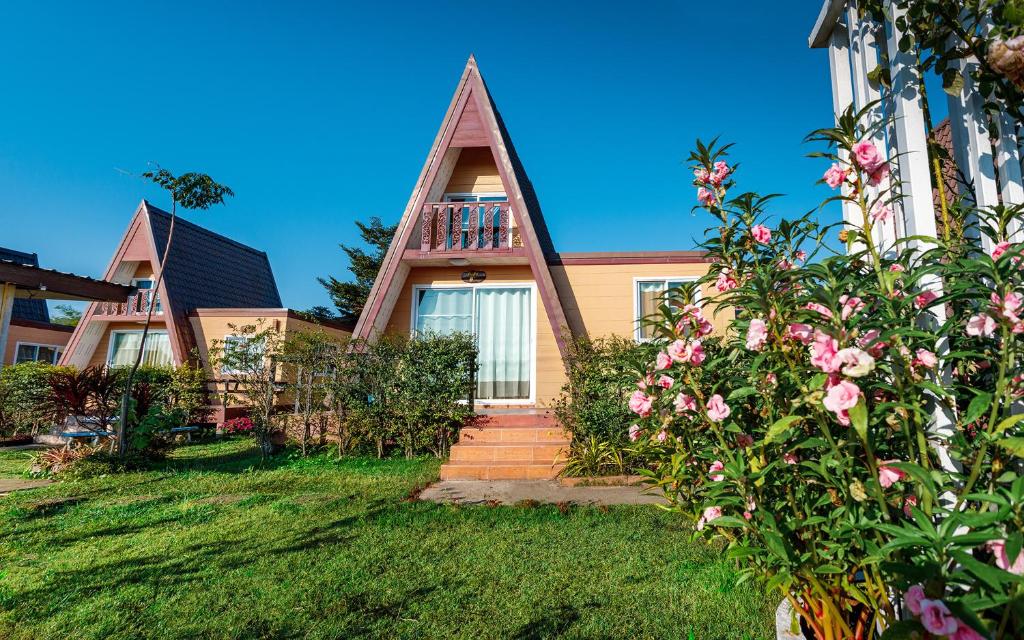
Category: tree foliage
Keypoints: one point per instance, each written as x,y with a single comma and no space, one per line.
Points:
349,297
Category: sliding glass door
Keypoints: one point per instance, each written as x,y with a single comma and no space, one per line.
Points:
501,319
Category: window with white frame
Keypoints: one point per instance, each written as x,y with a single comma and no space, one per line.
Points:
31,352
651,293
125,345
238,350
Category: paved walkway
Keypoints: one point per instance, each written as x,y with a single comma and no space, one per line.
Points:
8,485
545,491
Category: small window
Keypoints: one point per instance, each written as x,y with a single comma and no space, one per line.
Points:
249,349
650,294
444,311
28,352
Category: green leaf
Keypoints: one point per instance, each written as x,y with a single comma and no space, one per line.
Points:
979,405
780,426
859,419
992,576
1013,445
742,392
1009,422
904,630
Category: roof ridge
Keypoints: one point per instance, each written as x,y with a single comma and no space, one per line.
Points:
153,209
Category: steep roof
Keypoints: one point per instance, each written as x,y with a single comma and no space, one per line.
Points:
206,269
24,308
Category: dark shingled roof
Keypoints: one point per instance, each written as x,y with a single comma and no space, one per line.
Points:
207,270
24,309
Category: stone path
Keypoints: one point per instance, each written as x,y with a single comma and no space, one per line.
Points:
8,485
545,491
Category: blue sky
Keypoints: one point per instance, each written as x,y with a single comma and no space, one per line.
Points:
318,114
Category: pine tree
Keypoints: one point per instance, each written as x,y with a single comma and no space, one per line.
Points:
350,297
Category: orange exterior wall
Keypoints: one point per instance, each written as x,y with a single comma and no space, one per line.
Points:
34,335
99,356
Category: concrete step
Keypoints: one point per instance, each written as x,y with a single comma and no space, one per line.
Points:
507,470
539,452
532,418
553,433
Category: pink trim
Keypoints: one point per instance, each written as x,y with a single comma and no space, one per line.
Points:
626,257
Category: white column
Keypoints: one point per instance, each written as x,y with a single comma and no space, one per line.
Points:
1008,161
6,308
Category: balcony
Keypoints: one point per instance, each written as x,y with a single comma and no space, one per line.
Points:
467,232
136,307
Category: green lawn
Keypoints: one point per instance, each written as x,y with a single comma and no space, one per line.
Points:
213,544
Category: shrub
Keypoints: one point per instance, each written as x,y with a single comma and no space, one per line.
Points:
93,392
865,438
25,402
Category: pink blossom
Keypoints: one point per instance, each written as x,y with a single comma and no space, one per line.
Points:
936,618
790,458
926,359
924,299
802,332
757,334
800,255
867,156
998,549
717,409
744,440
713,470
647,381
663,361
705,197
965,632
695,353
684,402
634,433
722,169
771,379
1007,307
849,306
820,308
701,175
880,212
897,267
710,514
725,281
677,351
835,175
824,351
870,342
888,474
761,233
981,325
666,382
784,265
640,404
877,176
913,598
1000,249
662,436
908,504
841,397
856,363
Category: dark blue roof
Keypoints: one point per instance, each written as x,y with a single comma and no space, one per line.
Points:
25,309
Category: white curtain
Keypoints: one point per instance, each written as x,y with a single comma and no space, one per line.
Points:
503,337
444,311
158,351
125,348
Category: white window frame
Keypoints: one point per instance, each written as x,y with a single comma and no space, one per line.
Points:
637,311
57,347
110,343
532,286
486,194
224,370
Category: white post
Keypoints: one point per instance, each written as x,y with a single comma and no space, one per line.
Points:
918,208
6,308
1008,161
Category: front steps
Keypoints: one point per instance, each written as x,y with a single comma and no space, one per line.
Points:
514,444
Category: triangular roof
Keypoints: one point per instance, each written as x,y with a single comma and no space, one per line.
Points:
472,120
204,269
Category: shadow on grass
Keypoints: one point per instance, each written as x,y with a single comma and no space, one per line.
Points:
551,623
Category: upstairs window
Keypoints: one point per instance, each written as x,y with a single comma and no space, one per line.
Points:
125,345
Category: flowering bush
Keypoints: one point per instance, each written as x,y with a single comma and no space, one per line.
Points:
857,435
236,426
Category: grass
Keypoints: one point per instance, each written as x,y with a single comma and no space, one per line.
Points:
214,544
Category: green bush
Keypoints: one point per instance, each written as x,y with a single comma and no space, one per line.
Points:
25,403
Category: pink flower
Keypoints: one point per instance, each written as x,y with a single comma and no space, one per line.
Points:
924,299
663,361
684,402
889,475
802,332
647,381
1007,307
714,468
835,175
722,169
824,351
761,233
725,281
908,505
936,618
800,255
820,308
666,382
1000,249
856,363
913,598
662,436
744,440
965,632
771,379
784,265
677,351
877,176
841,397
705,197
870,343
867,156
710,514
880,212
717,409
640,404
926,359
634,433
897,268
757,334
981,325
850,306
790,458
701,175
998,549
695,353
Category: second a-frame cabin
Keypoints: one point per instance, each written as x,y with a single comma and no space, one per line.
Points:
472,253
